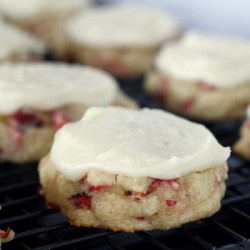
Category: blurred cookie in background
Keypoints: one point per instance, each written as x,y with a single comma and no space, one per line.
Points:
37,99
203,76
242,145
121,39
17,45
42,18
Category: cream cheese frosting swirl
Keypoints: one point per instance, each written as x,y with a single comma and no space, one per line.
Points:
135,143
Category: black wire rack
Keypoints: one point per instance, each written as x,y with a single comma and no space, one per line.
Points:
40,228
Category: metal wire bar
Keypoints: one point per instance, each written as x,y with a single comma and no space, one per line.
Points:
204,244
153,240
74,241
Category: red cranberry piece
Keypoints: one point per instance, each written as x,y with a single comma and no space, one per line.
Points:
5,234
53,206
59,119
81,200
187,104
100,188
171,203
23,119
158,182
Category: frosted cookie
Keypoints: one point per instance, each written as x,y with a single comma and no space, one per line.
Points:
122,39
42,18
134,170
203,76
36,100
6,235
242,145
16,45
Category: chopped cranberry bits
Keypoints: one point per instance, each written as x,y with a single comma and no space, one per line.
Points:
23,119
81,200
59,119
187,104
158,182
4,234
98,188
171,203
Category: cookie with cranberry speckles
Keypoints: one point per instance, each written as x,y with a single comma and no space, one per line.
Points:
203,76
37,99
125,43
134,170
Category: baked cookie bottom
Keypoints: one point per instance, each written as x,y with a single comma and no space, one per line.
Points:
198,99
120,62
129,204
242,145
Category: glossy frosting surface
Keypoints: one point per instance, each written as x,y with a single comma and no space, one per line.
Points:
216,60
47,86
123,25
135,143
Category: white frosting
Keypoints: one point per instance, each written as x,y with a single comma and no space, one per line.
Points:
122,25
135,143
15,41
219,61
48,86
22,9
